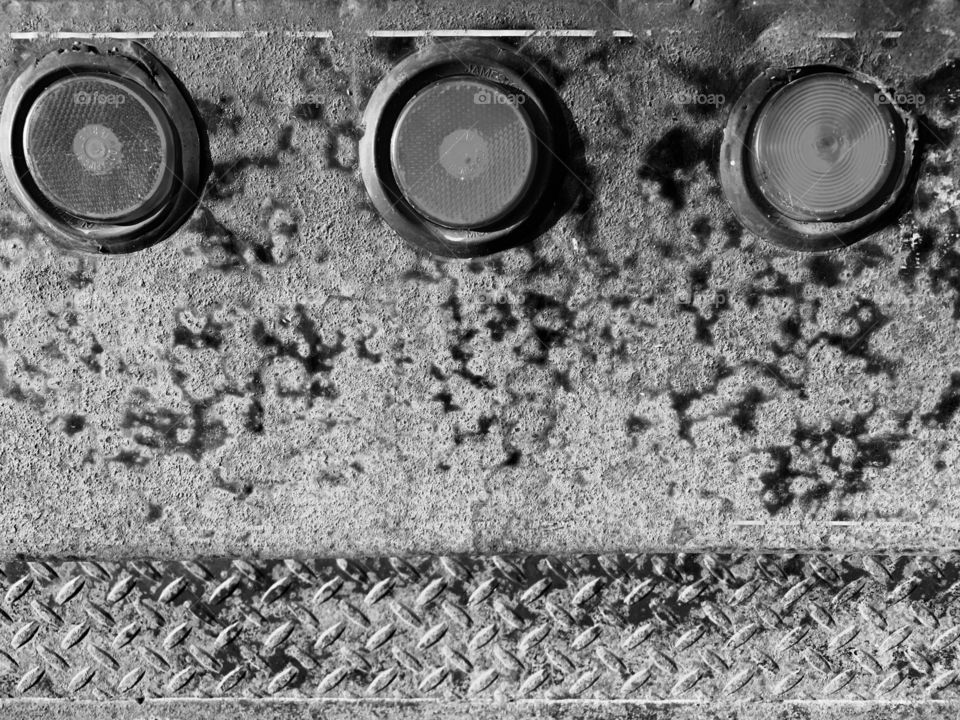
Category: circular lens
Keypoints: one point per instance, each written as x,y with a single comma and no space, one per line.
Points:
95,149
463,152
467,149
823,147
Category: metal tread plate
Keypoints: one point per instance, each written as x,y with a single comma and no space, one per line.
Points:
699,627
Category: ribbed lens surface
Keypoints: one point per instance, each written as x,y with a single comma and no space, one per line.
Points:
94,148
463,152
823,147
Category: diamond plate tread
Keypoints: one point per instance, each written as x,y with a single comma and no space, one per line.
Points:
704,627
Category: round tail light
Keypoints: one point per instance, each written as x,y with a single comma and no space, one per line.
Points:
466,149
816,158
103,148
459,163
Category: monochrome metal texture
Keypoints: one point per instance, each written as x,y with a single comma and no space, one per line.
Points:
648,627
286,377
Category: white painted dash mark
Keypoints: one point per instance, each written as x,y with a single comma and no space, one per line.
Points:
149,35
850,34
836,35
481,33
81,36
309,33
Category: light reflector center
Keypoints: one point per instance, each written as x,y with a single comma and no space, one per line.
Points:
465,154
97,148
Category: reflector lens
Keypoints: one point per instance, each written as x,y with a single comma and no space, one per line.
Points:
95,149
463,152
823,148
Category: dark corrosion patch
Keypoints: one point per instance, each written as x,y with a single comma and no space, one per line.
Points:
706,627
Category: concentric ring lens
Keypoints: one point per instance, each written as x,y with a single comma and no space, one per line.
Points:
817,157
463,152
823,147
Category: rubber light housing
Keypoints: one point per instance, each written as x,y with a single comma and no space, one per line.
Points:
467,149
815,158
103,147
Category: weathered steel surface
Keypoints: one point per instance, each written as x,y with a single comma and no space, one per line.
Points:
706,627
285,376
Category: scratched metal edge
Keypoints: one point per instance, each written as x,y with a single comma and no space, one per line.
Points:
701,628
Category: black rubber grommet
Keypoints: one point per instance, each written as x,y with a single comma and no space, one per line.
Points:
504,70
750,197
186,158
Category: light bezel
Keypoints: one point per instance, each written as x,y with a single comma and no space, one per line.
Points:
496,63
750,206
132,64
